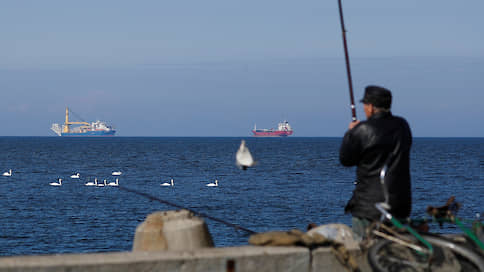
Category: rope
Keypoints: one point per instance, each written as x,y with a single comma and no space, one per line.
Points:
77,116
150,197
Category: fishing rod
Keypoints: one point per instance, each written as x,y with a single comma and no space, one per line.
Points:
150,197
348,69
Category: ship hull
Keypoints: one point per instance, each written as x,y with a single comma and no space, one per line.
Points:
271,133
90,134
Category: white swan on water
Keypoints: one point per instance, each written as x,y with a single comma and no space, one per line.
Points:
168,184
90,183
116,173
75,176
213,184
8,174
55,183
114,183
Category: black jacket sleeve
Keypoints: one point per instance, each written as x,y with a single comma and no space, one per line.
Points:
351,147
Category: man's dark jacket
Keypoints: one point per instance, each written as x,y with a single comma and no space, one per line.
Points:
368,145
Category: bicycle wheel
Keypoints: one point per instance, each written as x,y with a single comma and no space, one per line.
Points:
386,255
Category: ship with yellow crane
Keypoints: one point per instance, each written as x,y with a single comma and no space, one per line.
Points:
82,128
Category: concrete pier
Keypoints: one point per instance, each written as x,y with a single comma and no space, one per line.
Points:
230,259
178,241
211,259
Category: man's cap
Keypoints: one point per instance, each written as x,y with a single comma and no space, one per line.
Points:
377,96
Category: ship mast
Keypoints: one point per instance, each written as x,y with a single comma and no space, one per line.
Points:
66,124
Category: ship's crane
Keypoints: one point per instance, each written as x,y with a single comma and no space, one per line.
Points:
67,122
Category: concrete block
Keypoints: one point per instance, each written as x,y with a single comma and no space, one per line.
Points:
172,230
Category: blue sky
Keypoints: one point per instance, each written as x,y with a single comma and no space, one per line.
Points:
215,68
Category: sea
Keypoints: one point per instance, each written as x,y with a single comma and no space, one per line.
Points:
296,181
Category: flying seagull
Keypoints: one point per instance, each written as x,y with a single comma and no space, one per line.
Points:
243,158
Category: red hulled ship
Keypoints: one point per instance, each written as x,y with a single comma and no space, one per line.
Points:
283,130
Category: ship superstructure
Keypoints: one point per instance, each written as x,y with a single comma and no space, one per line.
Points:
82,128
283,130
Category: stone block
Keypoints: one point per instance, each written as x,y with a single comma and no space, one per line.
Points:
172,230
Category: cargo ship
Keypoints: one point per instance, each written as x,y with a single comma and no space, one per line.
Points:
82,128
283,130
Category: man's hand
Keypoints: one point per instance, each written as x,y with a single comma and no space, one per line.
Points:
353,124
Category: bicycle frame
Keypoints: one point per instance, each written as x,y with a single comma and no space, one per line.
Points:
414,240
384,207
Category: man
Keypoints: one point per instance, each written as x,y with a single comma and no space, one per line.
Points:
368,145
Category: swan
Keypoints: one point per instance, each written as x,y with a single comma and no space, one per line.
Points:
7,174
90,183
102,184
168,184
213,184
114,183
243,158
55,183
116,173
75,176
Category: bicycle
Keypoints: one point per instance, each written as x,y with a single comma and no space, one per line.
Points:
401,247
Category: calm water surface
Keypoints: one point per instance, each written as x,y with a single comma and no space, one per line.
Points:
297,181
